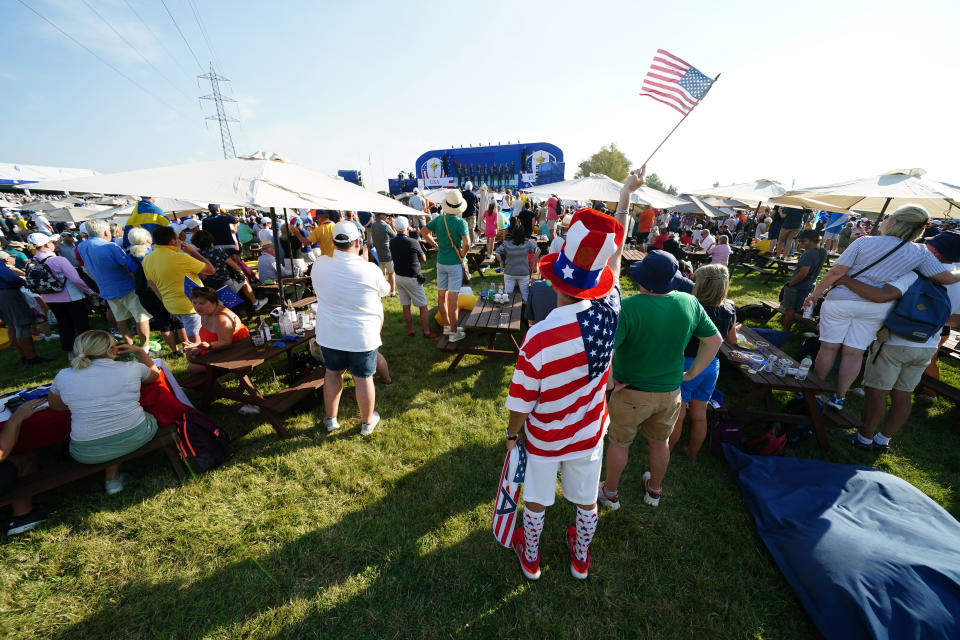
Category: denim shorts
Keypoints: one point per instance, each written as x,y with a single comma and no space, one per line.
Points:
190,322
701,387
793,297
449,277
362,364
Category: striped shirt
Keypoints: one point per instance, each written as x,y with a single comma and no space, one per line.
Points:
868,249
561,378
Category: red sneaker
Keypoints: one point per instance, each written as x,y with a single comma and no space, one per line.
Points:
530,569
431,336
578,569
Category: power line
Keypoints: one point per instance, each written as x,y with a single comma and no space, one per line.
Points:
196,59
97,56
156,37
203,32
132,46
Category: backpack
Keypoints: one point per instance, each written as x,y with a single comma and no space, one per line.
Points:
921,312
202,444
771,443
41,279
723,428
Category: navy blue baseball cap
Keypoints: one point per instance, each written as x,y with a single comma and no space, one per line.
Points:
947,244
655,272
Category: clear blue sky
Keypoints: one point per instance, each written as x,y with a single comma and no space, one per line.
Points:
811,92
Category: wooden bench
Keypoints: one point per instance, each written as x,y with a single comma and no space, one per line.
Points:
286,399
67,471
951,348
444,343
941,388
752,268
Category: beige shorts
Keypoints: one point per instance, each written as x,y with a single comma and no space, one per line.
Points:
128,306
896,367
653,413
387,266
411,291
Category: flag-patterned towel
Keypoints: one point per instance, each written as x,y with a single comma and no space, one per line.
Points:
508,494
561,377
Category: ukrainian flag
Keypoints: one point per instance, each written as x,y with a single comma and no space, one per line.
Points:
147,215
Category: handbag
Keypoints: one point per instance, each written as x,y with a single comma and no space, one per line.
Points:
463,263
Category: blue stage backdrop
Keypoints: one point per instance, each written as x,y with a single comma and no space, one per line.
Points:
498,166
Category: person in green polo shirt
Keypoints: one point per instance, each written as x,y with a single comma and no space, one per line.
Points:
648,368
450,233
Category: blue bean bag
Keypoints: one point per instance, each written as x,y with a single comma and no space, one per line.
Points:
867,553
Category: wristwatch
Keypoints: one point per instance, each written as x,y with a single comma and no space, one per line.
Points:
511,437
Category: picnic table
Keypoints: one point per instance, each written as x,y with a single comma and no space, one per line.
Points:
478,260
697,257
781,268
487,319
303,303
292,287
631,255
241,359
763,385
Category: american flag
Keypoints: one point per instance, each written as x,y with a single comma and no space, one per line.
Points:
561,377
508,494
674,82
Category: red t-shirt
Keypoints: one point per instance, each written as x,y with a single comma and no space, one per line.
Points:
645,221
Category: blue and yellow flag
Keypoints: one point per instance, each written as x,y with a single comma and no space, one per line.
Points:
147,215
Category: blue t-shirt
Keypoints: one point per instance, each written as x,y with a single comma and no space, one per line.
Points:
111,268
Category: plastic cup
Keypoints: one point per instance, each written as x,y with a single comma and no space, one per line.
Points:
762,347
504,319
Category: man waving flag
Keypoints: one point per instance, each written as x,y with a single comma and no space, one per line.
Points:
674,82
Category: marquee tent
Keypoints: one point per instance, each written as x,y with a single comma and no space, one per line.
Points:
605,189
749,193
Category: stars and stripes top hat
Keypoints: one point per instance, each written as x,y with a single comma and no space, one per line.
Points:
580,269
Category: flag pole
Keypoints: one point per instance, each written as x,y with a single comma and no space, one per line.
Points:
682,119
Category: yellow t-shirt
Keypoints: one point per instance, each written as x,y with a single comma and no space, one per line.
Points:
167,267
322,234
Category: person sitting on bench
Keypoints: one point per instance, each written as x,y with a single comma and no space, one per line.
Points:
103,397
25,517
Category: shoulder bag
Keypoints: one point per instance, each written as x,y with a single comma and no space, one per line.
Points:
463,262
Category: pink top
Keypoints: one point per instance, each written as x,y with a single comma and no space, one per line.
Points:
719,253
74,287
490,224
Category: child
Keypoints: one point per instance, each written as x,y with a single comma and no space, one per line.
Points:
514,256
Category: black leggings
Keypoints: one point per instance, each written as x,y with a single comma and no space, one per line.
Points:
73,320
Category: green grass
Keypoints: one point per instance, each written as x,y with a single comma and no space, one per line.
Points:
337,536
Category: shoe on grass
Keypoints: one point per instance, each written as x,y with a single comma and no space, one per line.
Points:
115,486
652,498
610,502
531,570
331,424
430,335
27,522
578,569
249,409
853,440
880,448
366,428
834,401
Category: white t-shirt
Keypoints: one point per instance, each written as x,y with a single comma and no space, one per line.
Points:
903,283
349,311
707,241
104,398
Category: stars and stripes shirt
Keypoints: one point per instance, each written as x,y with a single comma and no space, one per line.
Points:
561,377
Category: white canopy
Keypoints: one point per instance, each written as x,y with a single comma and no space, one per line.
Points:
169,205
74,214
884,193
48,205
254,181
600,187
750,193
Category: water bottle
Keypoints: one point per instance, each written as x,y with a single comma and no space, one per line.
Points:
803,369
808,311
770,364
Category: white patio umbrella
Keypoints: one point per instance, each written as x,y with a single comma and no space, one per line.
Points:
74,214
169,205
749,193
880,194
261,180
603,188
48,205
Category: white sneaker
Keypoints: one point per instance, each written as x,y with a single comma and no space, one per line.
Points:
116,485
366,428
261,302
248,409
331,424
447,330
458,336
51,337
652,499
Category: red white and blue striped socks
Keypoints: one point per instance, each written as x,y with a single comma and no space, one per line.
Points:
532,529
586,528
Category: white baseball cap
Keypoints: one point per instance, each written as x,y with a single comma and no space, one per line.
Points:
39,239
345,231
401,224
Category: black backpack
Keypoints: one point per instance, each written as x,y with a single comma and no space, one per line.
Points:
202,444
41,279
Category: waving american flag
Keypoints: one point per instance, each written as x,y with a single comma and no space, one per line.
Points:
561,376
674,82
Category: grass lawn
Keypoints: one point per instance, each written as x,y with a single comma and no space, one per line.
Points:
389,536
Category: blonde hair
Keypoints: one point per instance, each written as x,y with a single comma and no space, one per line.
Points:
723,240
710,284
909,222
89,346
140,241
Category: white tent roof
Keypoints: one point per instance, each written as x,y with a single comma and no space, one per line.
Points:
882,193
17,174
48,205
751,193
169,205
74,214
255,181
600,187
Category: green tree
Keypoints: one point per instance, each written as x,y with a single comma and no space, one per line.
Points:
653,181
609,161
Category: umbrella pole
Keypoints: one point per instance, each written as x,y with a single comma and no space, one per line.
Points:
682,119
276,250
